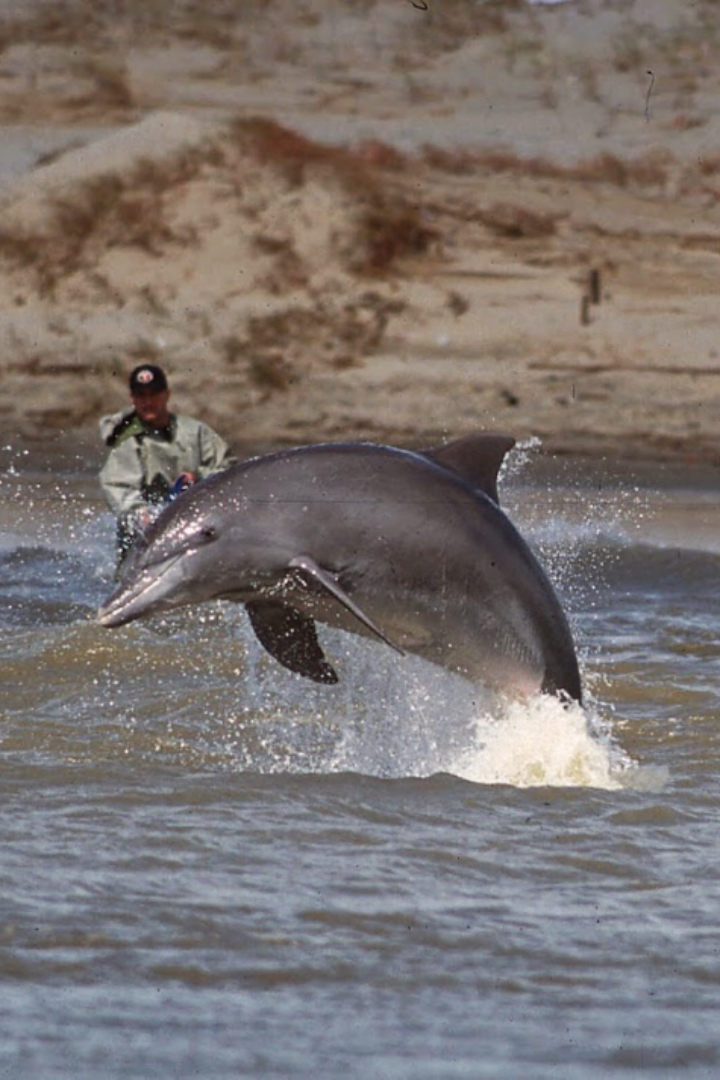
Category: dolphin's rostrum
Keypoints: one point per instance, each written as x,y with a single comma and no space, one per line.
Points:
410,548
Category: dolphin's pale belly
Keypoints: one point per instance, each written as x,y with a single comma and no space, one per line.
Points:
469,639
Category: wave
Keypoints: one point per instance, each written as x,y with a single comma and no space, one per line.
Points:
196,688
42,586
199,693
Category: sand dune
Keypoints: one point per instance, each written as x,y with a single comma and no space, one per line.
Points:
336,220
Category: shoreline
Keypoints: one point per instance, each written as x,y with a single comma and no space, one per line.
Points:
81,454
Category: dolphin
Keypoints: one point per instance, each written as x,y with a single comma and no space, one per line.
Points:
408,547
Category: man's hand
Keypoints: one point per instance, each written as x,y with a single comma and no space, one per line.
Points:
183,482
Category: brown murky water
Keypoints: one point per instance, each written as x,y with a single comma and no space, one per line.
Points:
209,867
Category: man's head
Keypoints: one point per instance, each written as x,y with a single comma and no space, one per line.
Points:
150,394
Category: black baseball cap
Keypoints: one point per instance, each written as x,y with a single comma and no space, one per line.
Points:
147,377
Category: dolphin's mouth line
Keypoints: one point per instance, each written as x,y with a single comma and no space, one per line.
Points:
108,614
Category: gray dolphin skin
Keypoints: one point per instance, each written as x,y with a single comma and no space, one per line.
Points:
409,548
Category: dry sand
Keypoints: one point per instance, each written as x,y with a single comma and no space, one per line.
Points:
348,218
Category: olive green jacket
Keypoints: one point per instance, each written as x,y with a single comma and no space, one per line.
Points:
143,464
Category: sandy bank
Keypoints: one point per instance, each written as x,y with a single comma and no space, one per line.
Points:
551,270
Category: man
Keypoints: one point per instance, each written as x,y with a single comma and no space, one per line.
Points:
154,454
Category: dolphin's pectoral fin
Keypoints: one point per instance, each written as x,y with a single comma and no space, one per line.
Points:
290,637
309,569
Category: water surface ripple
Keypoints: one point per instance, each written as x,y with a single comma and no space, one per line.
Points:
210,867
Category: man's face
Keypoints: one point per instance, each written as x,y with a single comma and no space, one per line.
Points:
152,406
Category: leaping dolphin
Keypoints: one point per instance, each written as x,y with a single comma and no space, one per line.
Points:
410,548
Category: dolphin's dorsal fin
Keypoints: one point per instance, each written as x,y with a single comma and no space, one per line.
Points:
477,458
308,569
290,637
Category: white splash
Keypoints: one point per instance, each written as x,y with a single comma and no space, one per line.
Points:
421,721
541,742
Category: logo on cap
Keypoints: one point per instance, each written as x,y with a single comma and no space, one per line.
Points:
147,378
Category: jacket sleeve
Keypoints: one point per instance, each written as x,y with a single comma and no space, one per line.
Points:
121,478
214,452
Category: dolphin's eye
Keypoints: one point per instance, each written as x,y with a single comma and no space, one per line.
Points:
207,533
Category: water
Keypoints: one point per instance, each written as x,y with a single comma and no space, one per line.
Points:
209,867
